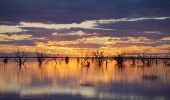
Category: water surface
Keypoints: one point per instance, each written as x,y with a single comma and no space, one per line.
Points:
71,80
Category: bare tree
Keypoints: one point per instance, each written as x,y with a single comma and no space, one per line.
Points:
41,57
5,60
4,55
20,57
146,58
85,61
120,59
56,54
99,56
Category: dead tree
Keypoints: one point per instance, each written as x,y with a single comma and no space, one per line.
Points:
20,58
5,57
66,59
55,57
146,58
85,61
99,57
41,57
5,60
120,59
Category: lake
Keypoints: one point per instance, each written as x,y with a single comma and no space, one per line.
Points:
72,80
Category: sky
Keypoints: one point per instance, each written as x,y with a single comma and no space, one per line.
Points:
79,26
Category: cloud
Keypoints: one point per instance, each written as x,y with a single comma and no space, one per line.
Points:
164,48
135,40
83,22
99,41
96,40
60,43
107,21
85,25
114,40
88,24
91,40
152,32
68,11
10,29
74,33
165,39
4,37
18,37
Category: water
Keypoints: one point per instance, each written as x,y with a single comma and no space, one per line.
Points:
73,81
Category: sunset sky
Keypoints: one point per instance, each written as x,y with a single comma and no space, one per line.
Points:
76,26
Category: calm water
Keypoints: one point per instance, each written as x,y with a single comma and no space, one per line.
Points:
73,81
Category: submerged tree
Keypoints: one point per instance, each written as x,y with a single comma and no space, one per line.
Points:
167,59
66,59
85,61
41,57
146,58
20,58
55,56
99,57
5,60
120,59
5,57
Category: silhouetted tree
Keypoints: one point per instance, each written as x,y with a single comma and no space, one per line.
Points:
20,58
5,60
55,56
41,57
120,59
99,57
66,59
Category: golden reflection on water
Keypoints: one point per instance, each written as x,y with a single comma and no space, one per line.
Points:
73,78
